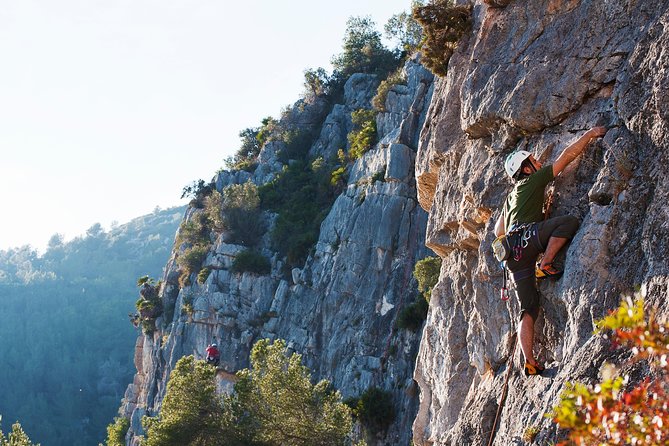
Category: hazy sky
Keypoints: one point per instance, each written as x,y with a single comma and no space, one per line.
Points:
108,108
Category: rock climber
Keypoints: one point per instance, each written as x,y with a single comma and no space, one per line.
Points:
522,220
213,355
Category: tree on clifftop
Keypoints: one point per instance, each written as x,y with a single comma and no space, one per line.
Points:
363,50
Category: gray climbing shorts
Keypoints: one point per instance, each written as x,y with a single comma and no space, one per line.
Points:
522,271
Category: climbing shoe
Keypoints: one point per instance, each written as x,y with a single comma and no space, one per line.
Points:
548,272
531,370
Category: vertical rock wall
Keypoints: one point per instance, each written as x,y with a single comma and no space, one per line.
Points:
339,310
536,75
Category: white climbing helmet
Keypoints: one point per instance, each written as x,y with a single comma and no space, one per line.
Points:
514,160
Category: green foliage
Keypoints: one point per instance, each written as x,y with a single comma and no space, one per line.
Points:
149,306
196,230
530,434
213,210
404,28
187,306
190,261
284,407
412,317
198,190
274,404
116,431
241,214
363,135
298,142
338,177
251,261
613,412
192,413
363,51
316,83
426,273
397,77
443,24
203,275
302,196
374,408
80,293
17,437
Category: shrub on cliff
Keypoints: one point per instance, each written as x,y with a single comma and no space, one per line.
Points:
278,394
197,190
17,437
412,317
374,408
116,431
395,78
251,261
274,404
149,307
363,50
363,135
443,24
614,411
192,413
426,273
301,195
406,29
242,217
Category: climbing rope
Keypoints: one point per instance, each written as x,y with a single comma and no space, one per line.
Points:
505,390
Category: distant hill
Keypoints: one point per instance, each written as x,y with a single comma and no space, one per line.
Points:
65,339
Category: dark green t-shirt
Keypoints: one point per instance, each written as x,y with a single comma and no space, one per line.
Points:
525,202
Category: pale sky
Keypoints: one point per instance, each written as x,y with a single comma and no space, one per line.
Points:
108,108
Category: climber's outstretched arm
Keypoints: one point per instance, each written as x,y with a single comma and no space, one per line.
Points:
574,150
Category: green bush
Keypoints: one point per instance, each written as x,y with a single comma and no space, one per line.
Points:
405,29
187,306
196,230
251,261
192,413
374,408
149,306
191,259
412,317
363,50
203,275
426,273
363,135
17,437
198,190
444,24
116,431
241,214
298,142
301,196
396,78
287,408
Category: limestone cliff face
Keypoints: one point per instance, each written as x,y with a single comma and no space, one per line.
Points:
536,75
339,310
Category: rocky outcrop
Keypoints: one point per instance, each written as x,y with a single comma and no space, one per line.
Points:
339,309
536,75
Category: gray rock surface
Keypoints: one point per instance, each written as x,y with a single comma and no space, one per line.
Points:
338,310
536,75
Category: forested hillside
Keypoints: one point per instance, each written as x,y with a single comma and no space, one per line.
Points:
65,339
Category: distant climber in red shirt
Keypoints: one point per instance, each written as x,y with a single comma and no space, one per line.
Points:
213,355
